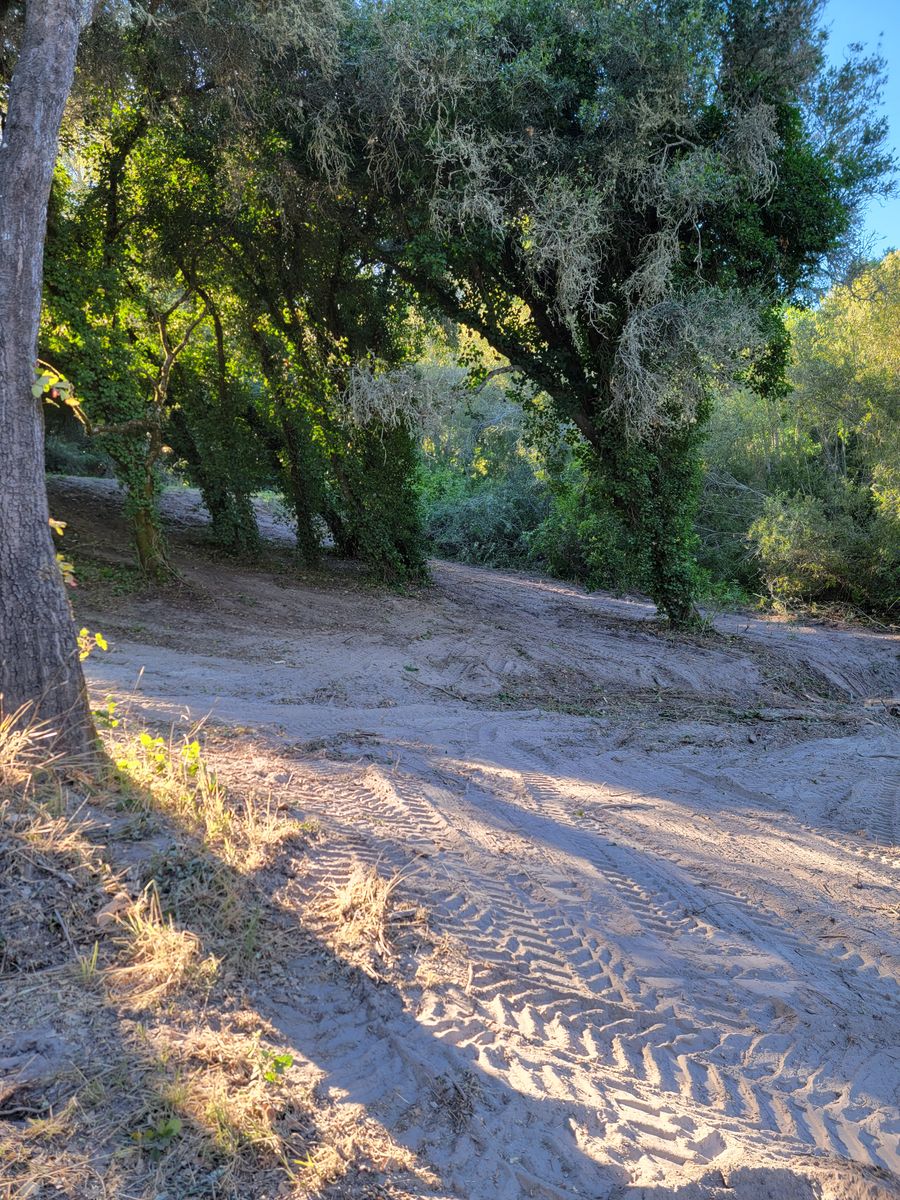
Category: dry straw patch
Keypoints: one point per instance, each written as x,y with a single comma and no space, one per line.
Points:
360,921
23,747
368,927
133,1065
361,908
49,872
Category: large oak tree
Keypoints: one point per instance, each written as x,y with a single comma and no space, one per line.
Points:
619,197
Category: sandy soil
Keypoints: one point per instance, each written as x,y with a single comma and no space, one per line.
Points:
660,874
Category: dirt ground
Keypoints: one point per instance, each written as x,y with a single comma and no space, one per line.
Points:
659,874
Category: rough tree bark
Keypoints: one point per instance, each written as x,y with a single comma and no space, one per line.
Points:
39,664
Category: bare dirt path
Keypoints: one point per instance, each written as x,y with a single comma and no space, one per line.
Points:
660,874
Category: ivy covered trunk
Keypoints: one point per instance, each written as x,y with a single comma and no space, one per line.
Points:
232,517
297,457
649,486
655,486
302,481
226,494
150,543
135,459
39,663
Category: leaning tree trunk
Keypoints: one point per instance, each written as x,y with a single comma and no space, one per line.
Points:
39,664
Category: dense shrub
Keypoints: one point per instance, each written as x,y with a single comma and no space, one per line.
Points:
802,499
835,548
62,457
489,522
581,538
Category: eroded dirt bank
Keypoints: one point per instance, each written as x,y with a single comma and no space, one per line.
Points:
660,874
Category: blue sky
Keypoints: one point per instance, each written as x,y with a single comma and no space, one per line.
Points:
871,22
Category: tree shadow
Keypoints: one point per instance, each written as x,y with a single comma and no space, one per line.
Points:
434,1117
746,1183
423,1113
591,852
131,1062
828,1182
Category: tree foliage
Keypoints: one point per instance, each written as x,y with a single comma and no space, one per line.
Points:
264,212
801,494
210,299
617,197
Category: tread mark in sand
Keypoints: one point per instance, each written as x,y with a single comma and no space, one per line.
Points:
544,978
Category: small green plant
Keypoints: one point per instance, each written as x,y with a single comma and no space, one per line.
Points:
65,566
274,1066
157,1138
55,389
89,642
154,751
106,716
178,776
191,758
87,965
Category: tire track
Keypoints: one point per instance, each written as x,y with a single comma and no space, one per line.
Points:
591,950
700,1069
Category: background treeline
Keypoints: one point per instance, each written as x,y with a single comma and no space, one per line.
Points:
801,489
509,282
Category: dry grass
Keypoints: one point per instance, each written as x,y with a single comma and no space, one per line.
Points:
160,958
134,912
171,776
360,921
23,748
361,907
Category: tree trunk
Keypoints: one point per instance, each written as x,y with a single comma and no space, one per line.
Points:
151,547
144,505
655,487
301,489
39,664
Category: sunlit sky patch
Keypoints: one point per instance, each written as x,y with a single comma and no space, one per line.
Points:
874,23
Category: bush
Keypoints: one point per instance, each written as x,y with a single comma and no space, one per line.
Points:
559,543
488,522
62,457
373,506
840,547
